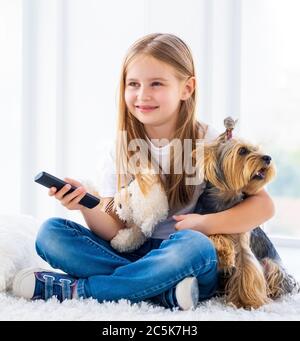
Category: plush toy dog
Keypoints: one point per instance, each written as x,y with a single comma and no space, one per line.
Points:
141,205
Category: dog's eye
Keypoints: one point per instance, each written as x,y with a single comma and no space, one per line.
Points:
243,151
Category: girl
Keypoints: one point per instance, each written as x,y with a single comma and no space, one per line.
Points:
177,267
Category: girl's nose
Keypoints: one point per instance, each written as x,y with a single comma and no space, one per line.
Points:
143,94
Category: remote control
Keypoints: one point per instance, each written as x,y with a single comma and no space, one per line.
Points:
49,181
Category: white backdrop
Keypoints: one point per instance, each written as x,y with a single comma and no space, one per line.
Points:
69,55
60,63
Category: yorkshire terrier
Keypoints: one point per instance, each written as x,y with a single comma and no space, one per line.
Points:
250,268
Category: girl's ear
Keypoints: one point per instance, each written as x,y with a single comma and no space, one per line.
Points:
188,88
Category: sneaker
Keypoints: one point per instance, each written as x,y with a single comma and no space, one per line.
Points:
185,295
35,283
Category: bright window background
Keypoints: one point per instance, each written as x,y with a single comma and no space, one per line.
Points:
10,104
270,99
59,70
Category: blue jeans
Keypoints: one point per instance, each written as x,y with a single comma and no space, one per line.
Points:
147,273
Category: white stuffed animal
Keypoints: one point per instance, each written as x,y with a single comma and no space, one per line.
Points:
141,210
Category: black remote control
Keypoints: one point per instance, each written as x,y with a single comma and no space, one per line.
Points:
49,181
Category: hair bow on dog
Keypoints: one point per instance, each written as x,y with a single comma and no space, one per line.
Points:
229,124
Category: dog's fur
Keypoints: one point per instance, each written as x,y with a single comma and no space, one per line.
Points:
279,281
233,170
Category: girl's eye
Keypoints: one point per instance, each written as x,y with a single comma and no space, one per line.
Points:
134,84
156,83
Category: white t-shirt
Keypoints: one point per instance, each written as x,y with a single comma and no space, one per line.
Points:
108,182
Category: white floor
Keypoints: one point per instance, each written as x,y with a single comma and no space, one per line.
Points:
17,251
286,309
291,259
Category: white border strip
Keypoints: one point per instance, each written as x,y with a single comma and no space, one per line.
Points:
286,242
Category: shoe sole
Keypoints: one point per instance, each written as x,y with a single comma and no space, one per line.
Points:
186,302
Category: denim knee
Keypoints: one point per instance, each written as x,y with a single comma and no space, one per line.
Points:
48,236
195,247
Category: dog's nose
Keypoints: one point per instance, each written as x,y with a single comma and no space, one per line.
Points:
267,159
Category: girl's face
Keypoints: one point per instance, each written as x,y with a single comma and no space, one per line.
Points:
153,93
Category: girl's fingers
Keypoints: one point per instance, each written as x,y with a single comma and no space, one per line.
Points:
78,198
60,194
52,191
70,197
178,217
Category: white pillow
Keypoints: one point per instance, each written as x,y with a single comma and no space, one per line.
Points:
17,247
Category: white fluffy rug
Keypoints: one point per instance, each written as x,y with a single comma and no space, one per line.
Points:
17,234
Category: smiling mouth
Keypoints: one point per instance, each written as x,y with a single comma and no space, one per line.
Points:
146,108
261,174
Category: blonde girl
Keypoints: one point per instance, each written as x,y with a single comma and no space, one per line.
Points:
177,267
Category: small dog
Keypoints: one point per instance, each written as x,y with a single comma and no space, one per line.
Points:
252,270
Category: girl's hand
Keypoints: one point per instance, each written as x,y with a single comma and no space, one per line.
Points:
191,221
71,200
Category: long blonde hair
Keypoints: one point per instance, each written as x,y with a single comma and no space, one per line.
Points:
171,50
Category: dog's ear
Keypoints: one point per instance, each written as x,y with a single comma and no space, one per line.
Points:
210,164
204,157
223,138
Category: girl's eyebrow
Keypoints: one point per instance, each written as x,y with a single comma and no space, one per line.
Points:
150,79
